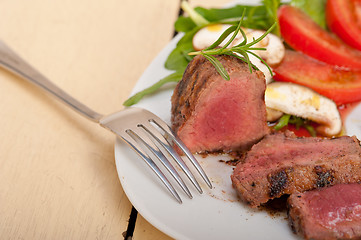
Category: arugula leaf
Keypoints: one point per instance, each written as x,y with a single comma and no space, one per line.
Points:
297,121
314,8
257,17
272,8
282,122
184,24
178,59
240,51
311,130
174,77
198,19
218,14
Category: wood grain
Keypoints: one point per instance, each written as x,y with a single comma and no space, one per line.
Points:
57,173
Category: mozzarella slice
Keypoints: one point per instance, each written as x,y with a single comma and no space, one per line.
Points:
303,102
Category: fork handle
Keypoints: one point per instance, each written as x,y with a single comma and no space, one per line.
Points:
14,63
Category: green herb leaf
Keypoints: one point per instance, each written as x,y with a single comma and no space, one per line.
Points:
257,17
217,14
245,56
261,37
184,24
178,58
198,19
174,77
283,122
263,61
314,8
311,130
297,121
238,29
219,67
272,8
223,36
242,49
241,57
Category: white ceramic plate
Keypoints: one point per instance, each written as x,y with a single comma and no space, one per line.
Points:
215,214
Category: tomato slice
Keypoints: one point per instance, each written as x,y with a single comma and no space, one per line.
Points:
357,5
304,35
341,85
342,19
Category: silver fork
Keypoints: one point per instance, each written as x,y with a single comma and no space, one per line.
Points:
149,136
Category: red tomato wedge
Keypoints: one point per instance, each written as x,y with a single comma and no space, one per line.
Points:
357,5
342,18
341,85
304,35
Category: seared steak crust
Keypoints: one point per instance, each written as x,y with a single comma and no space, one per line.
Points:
328,213
199,75
204,98
281,164
196,77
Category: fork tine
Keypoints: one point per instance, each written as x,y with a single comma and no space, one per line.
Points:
134,145
140,135
172,137
164,142
192,159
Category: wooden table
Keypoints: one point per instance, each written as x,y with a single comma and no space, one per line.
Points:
57,173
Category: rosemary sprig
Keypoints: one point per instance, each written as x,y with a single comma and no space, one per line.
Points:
179,58
239,51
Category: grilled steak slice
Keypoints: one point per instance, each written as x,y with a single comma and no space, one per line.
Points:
330,213
281,164
211,114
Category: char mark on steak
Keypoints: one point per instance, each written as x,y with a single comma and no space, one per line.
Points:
327,213
278,182
211,114
281,164
324,177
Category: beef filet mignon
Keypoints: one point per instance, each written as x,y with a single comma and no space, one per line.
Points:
281,164
329,213
211,114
